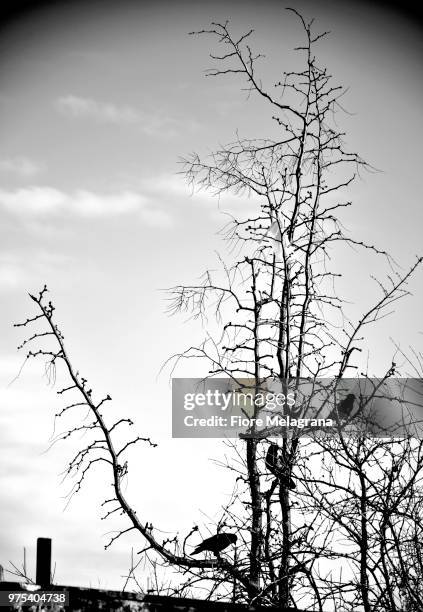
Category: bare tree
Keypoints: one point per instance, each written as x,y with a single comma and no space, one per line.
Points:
274,299
362,492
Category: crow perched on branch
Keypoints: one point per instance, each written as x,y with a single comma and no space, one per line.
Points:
275,464
216,543
344,409
272,458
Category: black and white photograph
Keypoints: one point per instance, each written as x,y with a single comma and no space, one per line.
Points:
211,297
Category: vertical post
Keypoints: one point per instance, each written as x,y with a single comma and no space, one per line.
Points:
43,571
1,573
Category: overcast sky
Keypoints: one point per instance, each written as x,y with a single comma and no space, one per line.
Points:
97,102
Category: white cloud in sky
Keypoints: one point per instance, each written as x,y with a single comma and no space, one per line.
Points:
108,113
90,204
20,166
38,201
102,112
174,185
32,200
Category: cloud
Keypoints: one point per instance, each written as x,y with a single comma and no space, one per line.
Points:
47,201
156,123
108,113
89,204
100,111
175,185
20,166
32,200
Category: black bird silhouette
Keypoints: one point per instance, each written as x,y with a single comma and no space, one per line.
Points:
345,408
275,465
216,543
272,458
